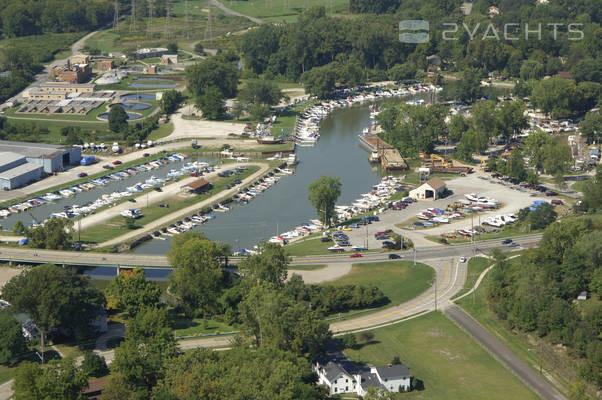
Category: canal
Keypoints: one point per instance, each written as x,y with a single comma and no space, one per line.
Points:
285,205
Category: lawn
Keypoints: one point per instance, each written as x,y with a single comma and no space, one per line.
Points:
580,186
277,10
447,361
306,247
400,281
311,267
161,132
6,373
189,327
476,266
524,346
116,226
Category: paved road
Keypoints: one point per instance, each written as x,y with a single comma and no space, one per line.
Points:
503,354
28,255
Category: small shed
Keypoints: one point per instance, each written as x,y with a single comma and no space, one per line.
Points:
432,189
582,296
198,186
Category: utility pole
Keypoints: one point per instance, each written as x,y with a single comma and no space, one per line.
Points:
133,21
116,15
435,291
414,255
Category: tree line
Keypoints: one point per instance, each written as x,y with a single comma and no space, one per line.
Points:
34,17
538,293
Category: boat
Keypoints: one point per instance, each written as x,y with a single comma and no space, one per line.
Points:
269,140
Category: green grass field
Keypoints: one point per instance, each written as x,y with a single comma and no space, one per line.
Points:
448,362
521,344
288,10
312,267
6,373
400,281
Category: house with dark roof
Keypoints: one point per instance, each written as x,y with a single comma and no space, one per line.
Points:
340,375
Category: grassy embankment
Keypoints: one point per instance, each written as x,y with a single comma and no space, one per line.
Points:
446,360
284,10
116,227
475,267
528,347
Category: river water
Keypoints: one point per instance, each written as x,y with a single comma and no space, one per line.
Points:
285,205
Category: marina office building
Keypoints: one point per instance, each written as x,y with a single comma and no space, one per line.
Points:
22,163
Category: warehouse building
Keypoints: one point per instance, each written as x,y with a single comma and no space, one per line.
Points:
432,189
51,157
15,171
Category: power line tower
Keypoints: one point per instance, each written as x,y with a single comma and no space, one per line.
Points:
133,20
150,13
116,14
168,20
209,28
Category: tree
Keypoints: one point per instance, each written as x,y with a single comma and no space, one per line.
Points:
149,341
206,374
170,101
512,118
270,318
12,345
323,195
401,72
534,148
485,120
133,292
469,88
118,118
555,96
558,158
214,73
54,234
94,365
59,380
541,217
591,127
457,126
270,266
197,277
348,341
172,48
18,228
211,102
198,48
320,81
55,297
592,193
374,393
531,70
261,92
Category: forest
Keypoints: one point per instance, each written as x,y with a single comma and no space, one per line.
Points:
538,293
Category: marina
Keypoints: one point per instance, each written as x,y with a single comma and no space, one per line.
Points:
285,206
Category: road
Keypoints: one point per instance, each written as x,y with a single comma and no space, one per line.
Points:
234,13
28,255
503,354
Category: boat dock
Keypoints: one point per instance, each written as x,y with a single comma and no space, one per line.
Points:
389,156
372,142
392,159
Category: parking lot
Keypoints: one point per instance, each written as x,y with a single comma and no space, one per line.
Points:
511,198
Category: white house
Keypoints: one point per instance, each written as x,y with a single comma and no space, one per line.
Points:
430,190
340,375
395,378
336,378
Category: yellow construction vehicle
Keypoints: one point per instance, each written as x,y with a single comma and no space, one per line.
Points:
484,165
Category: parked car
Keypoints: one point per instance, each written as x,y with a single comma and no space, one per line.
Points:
107,166
146,155
157,189
132,200
325,239
557,202
355,255
507,241
117,162
164,205
513,244
82,175
551,193
394,256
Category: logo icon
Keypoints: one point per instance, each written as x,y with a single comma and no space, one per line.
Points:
414,25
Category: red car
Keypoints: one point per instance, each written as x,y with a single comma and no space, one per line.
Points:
355,255
380,234
116,162
146,155
82,175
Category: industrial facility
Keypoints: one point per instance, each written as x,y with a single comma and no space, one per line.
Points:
22,163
